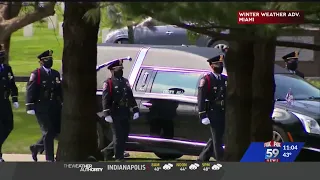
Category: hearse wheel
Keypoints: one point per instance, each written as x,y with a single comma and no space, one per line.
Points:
279,135
103,141
168,156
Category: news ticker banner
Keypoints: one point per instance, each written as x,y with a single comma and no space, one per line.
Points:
145,171
270,17
272,152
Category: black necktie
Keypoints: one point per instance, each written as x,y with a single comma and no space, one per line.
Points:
49,72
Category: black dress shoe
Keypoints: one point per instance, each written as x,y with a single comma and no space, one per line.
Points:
42,150
34,152
126,154
1,159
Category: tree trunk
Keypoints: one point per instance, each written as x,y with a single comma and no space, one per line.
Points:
78,131
263,91
239,64
11,10
130,34
6,44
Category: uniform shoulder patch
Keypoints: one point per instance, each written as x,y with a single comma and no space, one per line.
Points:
202,82
32,77
105,86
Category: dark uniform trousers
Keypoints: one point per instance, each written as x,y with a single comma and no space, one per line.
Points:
214,109
7,88
215,143
120,131
48,116
117,104
45,98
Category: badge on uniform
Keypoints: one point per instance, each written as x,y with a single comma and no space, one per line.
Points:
10,75
104,86
128,84
57,80
202,81
32,77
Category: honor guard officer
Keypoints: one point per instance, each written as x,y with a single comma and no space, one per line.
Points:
7,87
292,60
117,99
44,99
211,105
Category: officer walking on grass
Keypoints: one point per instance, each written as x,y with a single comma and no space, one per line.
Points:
291,60
211,105
117,99
44,99
7,87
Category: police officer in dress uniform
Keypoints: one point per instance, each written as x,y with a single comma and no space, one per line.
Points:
116,102
292,60
44,99
211,105
7,87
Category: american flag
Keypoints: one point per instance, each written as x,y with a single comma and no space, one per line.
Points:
289,97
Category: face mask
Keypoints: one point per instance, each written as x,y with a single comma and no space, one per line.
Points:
118,73
293,65
218,68
48,63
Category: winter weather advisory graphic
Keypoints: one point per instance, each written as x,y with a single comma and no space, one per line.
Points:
270,17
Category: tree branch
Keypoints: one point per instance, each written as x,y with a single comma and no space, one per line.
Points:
298,45
310,21
235,37
19,22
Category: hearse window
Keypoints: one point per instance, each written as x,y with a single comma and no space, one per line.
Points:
144,79
299,88
176,83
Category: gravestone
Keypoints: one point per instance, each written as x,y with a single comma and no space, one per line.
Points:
28,30
104,33
52,21
60,29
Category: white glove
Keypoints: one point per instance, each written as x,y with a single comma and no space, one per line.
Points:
108,119
135,116
205,121
31,112
16,105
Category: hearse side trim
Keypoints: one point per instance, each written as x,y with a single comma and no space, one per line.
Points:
137,56
137,65
173,97
134,64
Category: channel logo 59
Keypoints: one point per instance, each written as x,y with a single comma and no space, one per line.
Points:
272,153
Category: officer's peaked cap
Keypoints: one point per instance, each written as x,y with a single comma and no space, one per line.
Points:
2,52
45,54
115,64
292,55
215,59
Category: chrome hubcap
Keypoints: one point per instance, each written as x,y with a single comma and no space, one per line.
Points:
277,137
220,46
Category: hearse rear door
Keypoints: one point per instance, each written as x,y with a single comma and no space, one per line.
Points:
141,87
